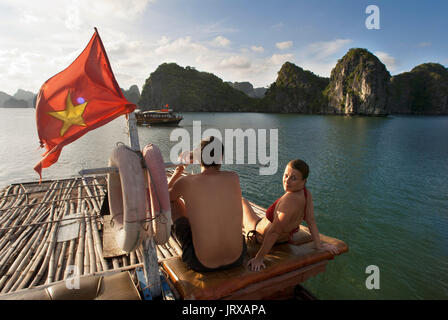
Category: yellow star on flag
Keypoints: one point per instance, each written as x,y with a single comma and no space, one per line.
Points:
71,115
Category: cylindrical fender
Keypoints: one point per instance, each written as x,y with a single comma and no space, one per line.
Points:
127,198
159,198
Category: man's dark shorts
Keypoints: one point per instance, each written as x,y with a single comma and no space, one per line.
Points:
181,230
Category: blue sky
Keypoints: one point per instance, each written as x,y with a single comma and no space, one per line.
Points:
236,40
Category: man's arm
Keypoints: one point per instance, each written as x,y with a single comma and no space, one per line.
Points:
176,175
176,188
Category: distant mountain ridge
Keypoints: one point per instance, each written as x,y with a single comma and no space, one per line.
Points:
132,94
249,89
21,99
27,99
423,90
295,90
359,84
186,89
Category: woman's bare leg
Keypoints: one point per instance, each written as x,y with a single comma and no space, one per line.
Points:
250,218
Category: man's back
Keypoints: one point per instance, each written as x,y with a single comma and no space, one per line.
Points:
214,210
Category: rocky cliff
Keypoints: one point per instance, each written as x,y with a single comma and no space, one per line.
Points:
295,90
359,85
423,90
3,97
21,99
132,94
249,89
186,89
15,103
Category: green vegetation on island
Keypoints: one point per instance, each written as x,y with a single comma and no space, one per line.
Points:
186,89
295,90
359,84
423,90
132,94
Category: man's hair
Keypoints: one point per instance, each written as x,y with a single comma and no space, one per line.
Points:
217,143
301,166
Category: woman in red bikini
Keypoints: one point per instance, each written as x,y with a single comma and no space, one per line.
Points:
284,216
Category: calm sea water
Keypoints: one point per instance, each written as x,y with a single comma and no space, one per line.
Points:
379,184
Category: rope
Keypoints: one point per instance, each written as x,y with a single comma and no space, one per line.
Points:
161,217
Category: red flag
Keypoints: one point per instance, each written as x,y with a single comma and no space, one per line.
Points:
81,98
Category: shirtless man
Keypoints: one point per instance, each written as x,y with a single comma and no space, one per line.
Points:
207,215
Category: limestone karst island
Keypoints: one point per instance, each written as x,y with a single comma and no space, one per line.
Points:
360,84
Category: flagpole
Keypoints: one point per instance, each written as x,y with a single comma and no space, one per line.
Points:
150,261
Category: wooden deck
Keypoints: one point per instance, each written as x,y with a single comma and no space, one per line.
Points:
47,228
32,216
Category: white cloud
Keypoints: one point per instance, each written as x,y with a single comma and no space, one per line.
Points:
320,68
29,18
49,35
179,45
129,9
237,62
220,41
73,21
284,45
388,60
278,26
277,59
46,38
81,11
163,41
257,49
325,49
424,44
319,57
215,28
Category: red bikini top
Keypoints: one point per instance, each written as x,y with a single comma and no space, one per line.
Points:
271,209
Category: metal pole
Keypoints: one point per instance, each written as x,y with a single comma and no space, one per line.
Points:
133,133
150,261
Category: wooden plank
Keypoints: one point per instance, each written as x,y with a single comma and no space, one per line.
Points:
279,287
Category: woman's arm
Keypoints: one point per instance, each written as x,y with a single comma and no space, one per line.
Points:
269,239
282,219
311,222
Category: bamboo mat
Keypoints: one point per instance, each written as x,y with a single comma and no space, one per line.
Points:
31,215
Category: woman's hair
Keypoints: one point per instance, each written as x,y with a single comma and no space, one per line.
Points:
301,166
217,143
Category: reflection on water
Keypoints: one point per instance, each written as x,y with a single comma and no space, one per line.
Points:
379,184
